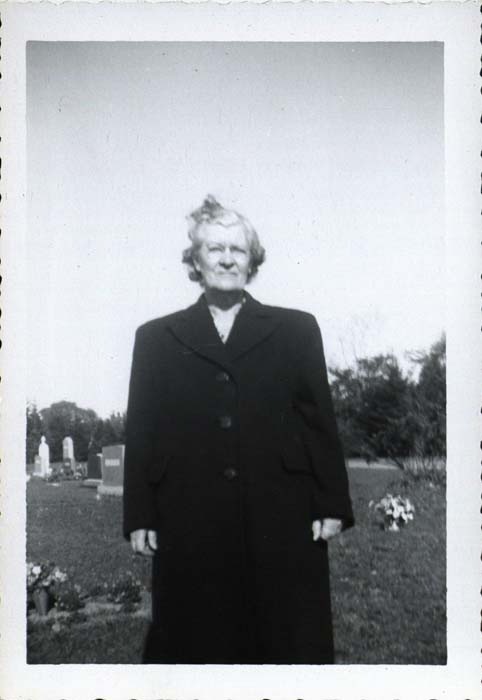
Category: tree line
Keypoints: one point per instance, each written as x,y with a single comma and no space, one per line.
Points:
64,418
382,411
385,412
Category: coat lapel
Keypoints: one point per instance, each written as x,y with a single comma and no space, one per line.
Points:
196,330
254,323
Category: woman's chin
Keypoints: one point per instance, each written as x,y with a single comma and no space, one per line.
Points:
228,285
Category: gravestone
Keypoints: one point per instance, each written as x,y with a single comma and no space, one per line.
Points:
68,458
44,457
37,467
112,470
67,448
94,466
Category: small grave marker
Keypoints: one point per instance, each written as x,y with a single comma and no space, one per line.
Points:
37,467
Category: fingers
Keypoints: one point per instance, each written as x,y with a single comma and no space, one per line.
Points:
144,542
152,539
326,529
330,527
316,529
138,541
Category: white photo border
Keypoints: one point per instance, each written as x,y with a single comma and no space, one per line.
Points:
457,26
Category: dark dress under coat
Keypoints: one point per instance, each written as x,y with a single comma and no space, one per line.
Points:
231,452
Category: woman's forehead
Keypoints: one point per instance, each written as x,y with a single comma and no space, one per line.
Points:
226,235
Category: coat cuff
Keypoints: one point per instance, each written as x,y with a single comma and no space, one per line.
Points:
324,507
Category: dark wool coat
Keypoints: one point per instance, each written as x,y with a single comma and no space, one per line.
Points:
231,453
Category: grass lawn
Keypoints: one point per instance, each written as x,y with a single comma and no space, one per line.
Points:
388,589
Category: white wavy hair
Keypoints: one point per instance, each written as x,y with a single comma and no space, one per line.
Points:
212,212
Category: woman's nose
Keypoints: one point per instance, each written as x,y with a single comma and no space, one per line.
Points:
227,258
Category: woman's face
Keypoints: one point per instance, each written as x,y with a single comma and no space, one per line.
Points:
223,257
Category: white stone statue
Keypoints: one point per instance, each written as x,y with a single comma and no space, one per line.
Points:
44,454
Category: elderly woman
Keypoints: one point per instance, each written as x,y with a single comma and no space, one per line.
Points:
234,474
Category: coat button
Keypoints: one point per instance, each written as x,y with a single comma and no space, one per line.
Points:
230,473
223,377
225,422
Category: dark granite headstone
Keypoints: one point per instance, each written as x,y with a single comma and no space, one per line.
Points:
94,466
112,470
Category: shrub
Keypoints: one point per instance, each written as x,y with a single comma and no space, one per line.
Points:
430,470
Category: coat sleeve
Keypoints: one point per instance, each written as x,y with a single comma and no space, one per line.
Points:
139,504
314,403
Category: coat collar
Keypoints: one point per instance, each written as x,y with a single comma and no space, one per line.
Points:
195,328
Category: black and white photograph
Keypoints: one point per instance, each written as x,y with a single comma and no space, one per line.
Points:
241,366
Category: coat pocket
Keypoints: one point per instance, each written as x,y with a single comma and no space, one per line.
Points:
296,457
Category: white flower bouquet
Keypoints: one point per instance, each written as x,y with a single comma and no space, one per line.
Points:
43,582
43,576
396,511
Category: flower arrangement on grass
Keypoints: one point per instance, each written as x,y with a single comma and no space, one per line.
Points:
396,511
78,472
43,581
52,477
47,584
124,590
68,597
43,576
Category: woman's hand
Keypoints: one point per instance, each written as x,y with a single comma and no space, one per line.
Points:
326,529
144,542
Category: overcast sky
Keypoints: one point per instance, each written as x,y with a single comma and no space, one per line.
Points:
333,151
